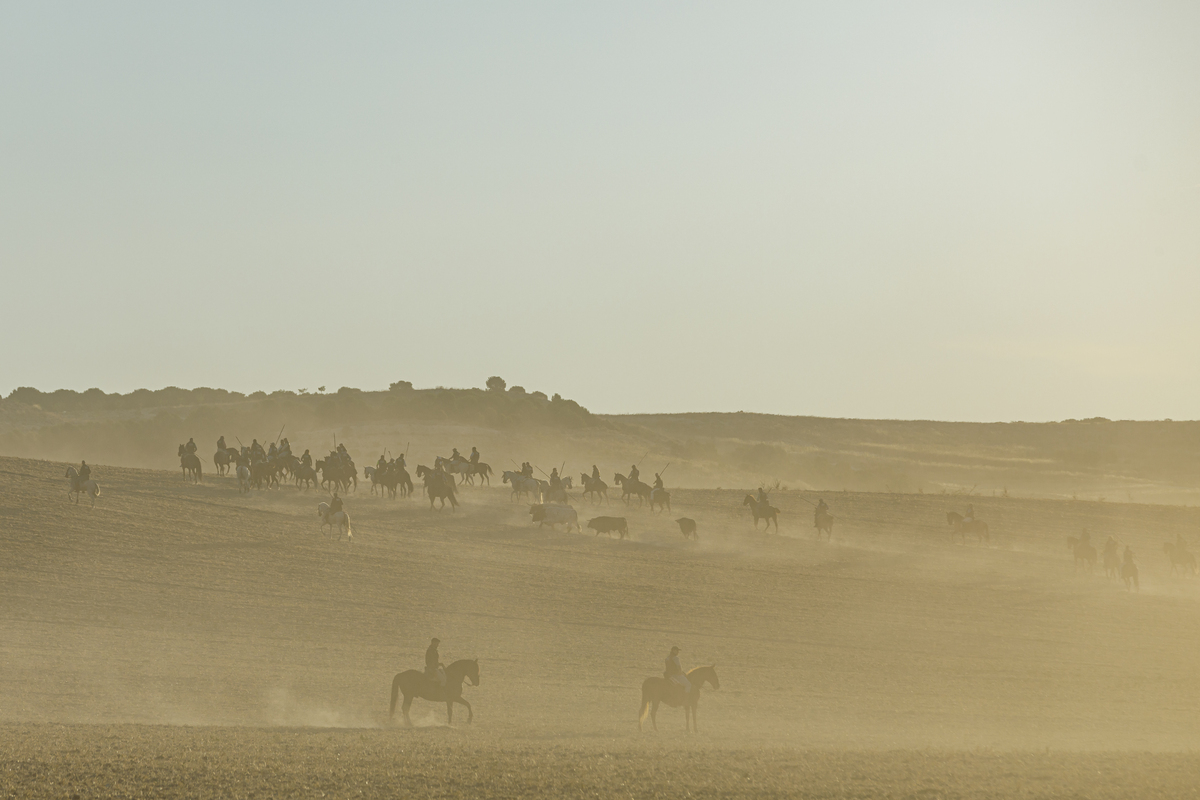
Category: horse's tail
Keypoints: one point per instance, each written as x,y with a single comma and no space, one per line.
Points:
644,710
395,695
349,533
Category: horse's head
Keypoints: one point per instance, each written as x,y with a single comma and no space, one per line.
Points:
699,675
322,509
473,671
71,473
618,479
182,449
749,501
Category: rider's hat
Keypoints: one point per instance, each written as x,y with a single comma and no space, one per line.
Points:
435,641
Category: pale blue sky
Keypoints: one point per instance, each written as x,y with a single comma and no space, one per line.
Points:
983,211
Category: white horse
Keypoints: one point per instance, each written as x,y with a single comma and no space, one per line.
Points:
339,518
77,487
243,476
522,485
458,466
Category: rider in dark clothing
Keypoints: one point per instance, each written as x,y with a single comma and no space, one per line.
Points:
221,443
85,472
595,472
335,505
555,481
633,473
454,456
191,446
381,463
658,484
306,459
400,461
527,470
474,455
256,450
432,660
762,496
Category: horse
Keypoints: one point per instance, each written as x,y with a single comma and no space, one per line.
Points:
632,487
304,475
334,472
762,511
823,522
438,485
1085,554
339,518
522,485
222,459
484,471
190,464
1112,561
962,526
77,487
243,478
413,683
396,476
665,690
1129,574
456,466
594,487
660,498
1180,559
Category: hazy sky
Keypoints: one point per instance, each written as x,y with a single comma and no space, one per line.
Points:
983,211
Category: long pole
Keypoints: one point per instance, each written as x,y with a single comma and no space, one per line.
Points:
640,460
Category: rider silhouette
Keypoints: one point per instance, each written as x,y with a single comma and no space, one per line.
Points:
191,446
433,664
85,472
658,484
306,459
762,496
674,671
335,505
221,443
555,481
633,473
474,455
595,472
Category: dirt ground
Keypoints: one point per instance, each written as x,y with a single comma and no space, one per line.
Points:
185,640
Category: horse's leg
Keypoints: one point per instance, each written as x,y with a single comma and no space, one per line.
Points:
654,713
470,711
449,712
407,705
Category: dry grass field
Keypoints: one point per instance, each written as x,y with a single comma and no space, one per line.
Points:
184,640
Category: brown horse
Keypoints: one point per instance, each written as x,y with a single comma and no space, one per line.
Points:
413,683
962,526
438,485
762,511
665,690
1085,554
190,464
594,487
823,522
1129,572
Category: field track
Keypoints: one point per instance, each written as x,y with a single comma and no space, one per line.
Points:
179,605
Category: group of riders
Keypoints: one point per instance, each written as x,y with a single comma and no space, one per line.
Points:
435,670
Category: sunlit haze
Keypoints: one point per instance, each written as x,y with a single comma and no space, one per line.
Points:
954,211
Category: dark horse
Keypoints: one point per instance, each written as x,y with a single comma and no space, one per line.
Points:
962,526
665,690
190,463
438,485
631,487
594,487
1181,559
762,511
823,522
413,683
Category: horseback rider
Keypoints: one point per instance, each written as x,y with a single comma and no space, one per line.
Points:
256,450
335,505
434,669
595,472
674,671
555,481
658,484
1110,547
1128,556
474,455
342,453
400,461
306,459
191,447
1180,546
970,515
455,455
273,452
85,472
221,443
821,510
527,470
762,496
381,464
633,473
285,448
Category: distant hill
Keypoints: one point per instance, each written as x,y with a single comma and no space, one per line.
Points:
1092,459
